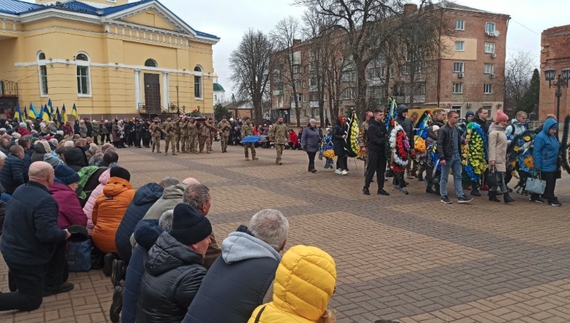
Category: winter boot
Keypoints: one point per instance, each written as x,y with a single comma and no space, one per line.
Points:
507,198
493,196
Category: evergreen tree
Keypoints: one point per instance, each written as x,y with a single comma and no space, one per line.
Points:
529,101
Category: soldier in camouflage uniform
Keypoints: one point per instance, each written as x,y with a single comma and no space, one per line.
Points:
184,134
156,133
169,135
279,134
363,137
192,136
203,135
213,134
247,130
177,122
95,132
224,129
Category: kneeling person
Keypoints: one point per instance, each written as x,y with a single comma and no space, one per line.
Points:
173,270
239,280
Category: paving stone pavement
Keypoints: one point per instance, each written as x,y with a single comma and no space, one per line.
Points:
407,258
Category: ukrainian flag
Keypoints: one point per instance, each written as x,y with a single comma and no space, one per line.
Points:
63,114
45,116
58,115
74,112
33,114
51,110
26,113
18,113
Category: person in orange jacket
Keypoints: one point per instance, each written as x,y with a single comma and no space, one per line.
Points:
108,212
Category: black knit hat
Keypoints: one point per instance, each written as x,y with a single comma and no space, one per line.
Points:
121,173
66,175
189,226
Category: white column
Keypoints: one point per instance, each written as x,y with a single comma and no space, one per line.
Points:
137,88
166,90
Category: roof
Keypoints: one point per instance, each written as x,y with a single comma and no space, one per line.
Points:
218,88
451,5
18,7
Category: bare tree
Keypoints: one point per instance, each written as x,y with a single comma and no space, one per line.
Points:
250,65
289,59
518,72
367,25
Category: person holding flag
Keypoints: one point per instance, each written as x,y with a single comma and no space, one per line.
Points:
33,113
18,113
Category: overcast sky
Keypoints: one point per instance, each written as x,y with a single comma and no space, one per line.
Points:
229,19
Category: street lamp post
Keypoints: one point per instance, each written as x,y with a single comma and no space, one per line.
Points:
560,82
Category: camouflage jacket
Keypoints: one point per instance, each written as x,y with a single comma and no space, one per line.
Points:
279,133
205,130
192,129
168,128
224,128
247,130
363,134
155,129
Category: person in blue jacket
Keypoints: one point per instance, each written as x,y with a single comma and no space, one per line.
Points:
545,156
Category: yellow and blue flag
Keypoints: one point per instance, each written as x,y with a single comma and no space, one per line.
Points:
18,113
45,116
58,115
33,113
63,114
74,112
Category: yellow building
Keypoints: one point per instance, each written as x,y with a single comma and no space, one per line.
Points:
111,58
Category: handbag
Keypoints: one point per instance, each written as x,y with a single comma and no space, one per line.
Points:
491,178
535,185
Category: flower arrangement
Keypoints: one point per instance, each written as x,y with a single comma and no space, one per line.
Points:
520,154
419,144
474,153
329,153
400,146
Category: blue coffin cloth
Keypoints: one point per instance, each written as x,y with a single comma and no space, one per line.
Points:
250,139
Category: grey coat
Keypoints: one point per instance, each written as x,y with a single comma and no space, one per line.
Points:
310,139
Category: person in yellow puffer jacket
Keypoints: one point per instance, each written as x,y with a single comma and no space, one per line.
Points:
304,284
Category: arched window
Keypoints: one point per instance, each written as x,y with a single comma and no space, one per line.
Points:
83,75
198,82
43,74
150,63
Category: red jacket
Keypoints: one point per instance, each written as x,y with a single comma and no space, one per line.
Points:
70,211
293,137
24,131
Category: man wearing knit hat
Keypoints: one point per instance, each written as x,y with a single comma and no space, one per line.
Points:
174,270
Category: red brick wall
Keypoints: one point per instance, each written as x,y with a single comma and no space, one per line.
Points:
555,54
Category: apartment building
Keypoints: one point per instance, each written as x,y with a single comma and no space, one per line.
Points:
467,75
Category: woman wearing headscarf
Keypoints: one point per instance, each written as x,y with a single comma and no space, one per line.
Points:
339,134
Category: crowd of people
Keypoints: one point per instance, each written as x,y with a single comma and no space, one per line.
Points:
69,206
478,154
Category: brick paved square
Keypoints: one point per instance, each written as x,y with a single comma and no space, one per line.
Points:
407,258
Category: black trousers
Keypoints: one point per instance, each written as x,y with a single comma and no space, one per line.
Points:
550,178
137,142
146,140
376,164
342,162
31,281
311,155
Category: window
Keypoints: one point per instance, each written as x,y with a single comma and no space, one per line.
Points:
459,24
489,68
150,63
349,77
487,88
489,48
348,93
197,82
43,74
458,67
459,46
296,69
313,82
457,88
83,86
490,28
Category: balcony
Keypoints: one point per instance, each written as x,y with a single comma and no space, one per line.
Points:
314,104
277,92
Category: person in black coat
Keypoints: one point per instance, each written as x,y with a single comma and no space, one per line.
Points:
138,132
173,270
89,127
241,279
75,158
145,133
33,246
376,146
142,201
12,175
339,135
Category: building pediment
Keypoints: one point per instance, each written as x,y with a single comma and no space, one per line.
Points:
153,14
